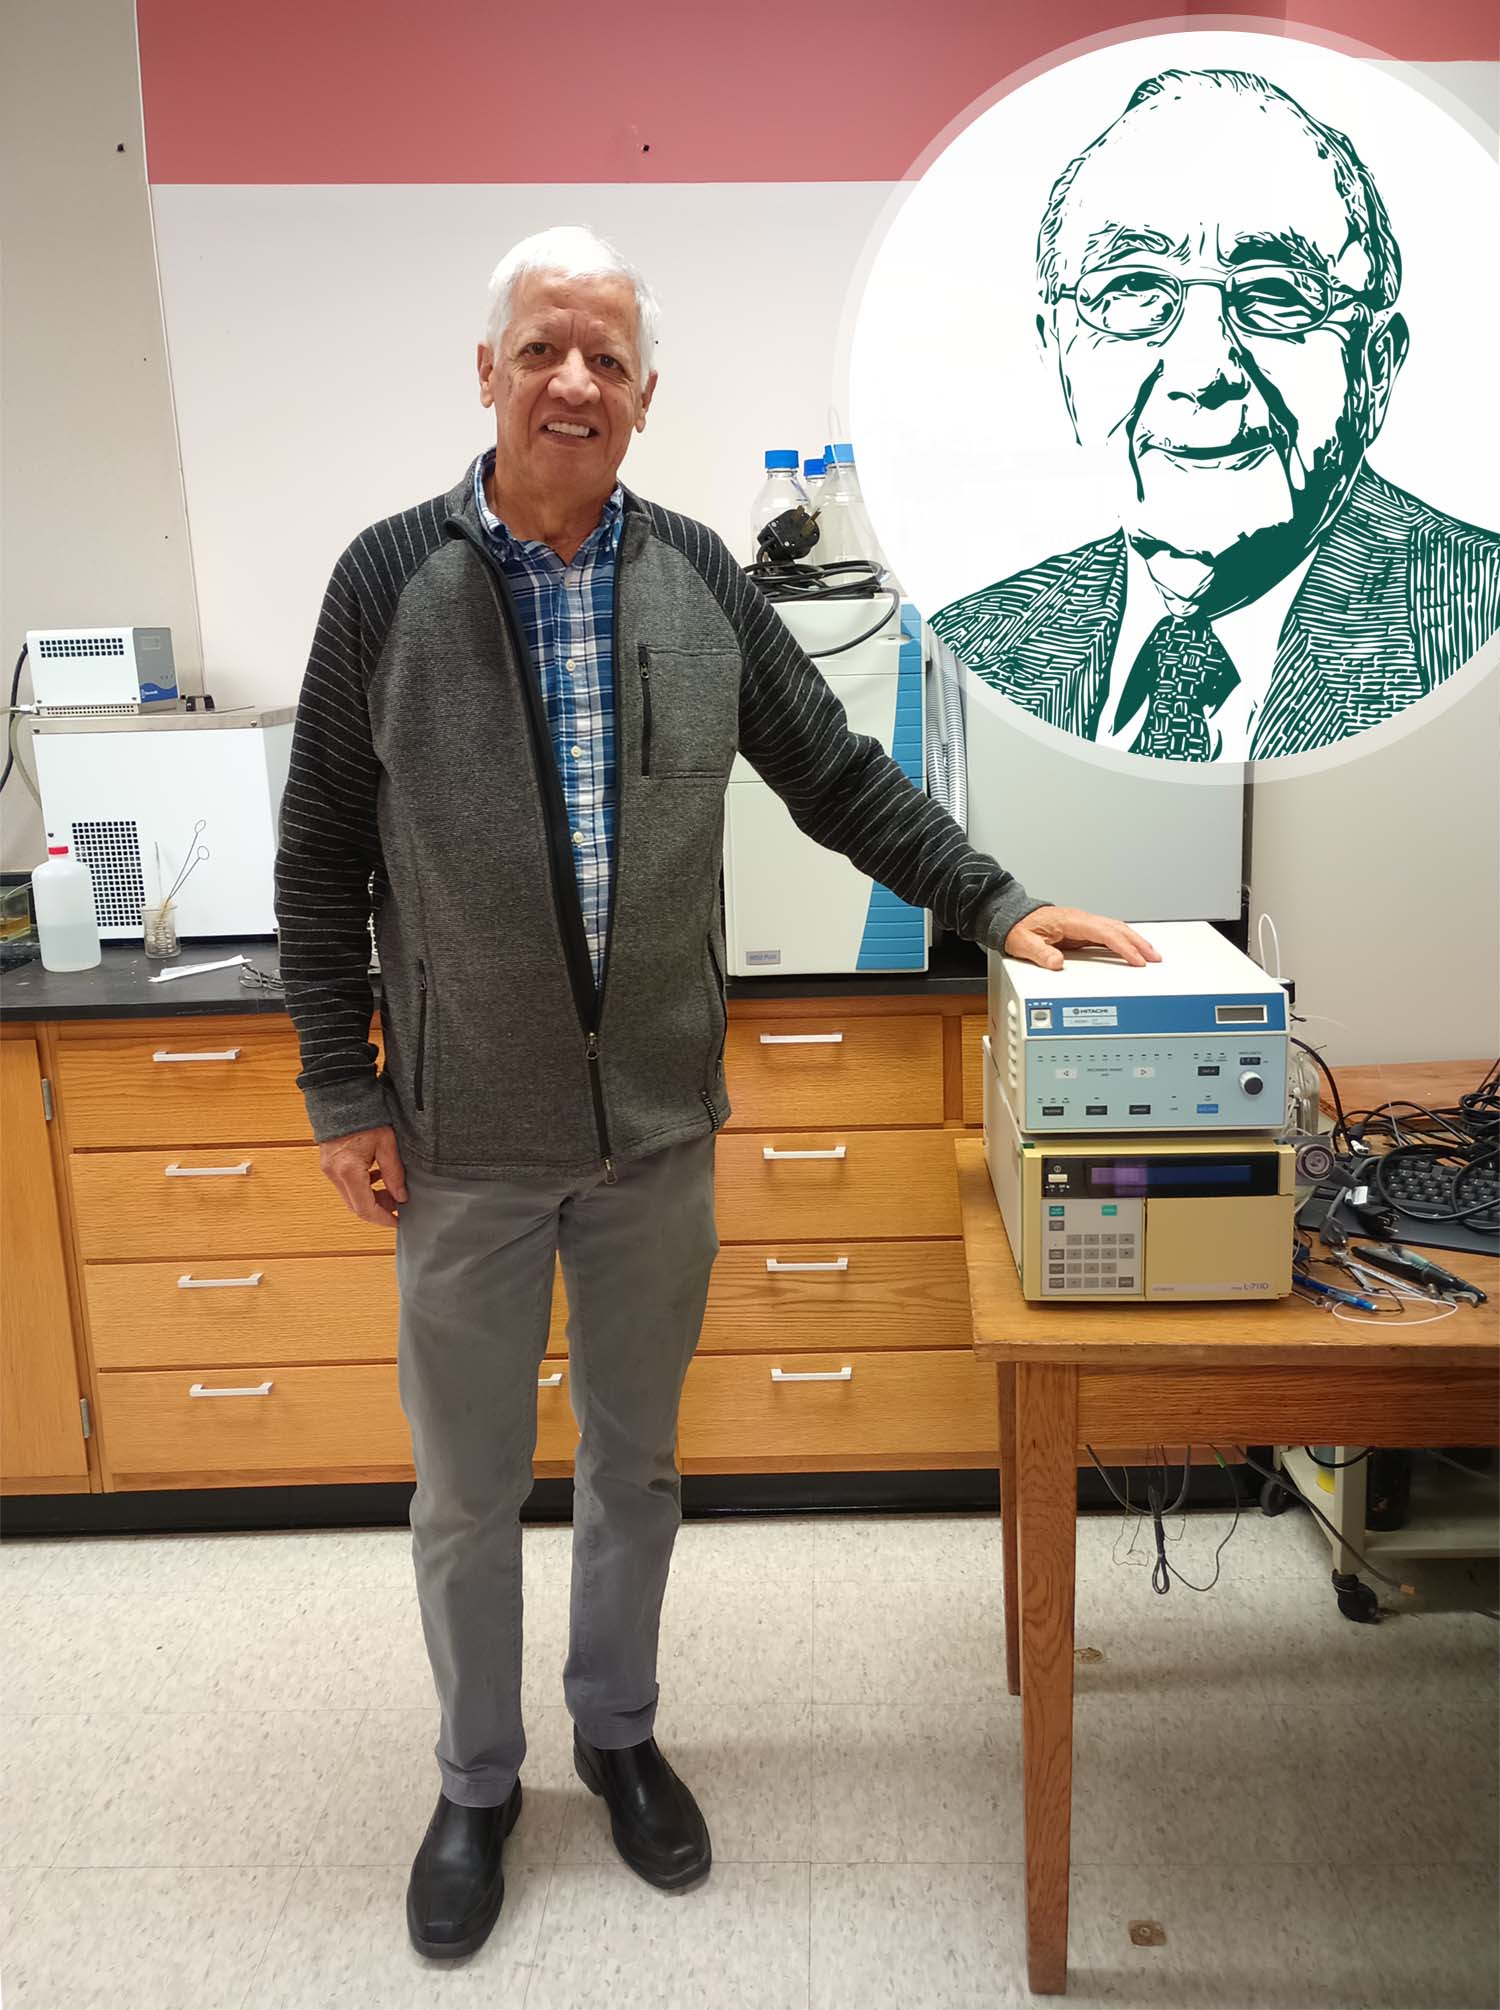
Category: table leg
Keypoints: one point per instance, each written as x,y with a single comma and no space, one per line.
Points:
1047,1498
1006,1376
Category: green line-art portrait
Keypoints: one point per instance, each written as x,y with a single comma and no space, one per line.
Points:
1219,285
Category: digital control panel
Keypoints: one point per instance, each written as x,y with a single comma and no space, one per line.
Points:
1159,1085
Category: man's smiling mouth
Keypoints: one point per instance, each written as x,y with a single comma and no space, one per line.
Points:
565,429
1246,450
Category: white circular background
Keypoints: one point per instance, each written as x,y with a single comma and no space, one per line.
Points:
968,464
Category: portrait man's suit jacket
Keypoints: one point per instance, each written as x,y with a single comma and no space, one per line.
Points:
1398,597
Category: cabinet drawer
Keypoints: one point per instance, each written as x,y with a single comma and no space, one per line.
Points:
889,1294
974,1032
886,1183
303,1309
126,1204
895,1409
116,1091
831,1070
312,1424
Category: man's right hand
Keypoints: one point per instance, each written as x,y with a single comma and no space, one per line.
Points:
352,1163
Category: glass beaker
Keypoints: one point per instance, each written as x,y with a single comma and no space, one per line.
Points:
159,927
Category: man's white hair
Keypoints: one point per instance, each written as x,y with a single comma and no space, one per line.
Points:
574,253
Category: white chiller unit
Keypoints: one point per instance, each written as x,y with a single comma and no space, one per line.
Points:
116,788
790,906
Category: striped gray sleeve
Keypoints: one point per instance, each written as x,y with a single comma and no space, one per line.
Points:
328,848
842,789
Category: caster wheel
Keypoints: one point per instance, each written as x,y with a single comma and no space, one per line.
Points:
1356,1600
1274,1498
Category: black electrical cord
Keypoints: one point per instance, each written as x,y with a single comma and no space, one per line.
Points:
1336,1465
10,712
842,579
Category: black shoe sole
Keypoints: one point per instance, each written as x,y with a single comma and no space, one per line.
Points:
451,1950
675,1880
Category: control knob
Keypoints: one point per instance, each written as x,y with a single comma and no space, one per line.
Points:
1252,1084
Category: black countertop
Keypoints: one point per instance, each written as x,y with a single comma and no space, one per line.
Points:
120,987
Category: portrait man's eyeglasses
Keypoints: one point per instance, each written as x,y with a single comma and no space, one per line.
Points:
1129,301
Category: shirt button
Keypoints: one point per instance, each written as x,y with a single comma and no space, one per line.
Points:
576,752
578,837
569,665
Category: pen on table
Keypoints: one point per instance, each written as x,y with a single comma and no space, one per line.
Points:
1333,1291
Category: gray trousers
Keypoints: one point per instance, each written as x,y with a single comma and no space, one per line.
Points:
474,1261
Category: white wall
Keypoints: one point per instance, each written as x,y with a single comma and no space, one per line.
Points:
1383,879
323,358
93,529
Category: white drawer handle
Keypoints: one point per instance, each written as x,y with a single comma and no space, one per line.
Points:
549,1381
188,1283
228,1054
833,1375
770,1152
264,1389
800,1039
777,1267
175,1171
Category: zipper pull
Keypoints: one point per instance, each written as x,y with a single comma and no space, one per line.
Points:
591,1047
611,1178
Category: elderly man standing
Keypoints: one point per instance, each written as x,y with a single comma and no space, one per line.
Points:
519,715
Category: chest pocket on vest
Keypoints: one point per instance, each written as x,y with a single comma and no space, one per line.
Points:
689,705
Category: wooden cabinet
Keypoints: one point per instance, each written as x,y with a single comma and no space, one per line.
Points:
241,1324
42,1445
837,1204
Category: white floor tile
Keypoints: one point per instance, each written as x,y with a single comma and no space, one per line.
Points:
65,1654
142,1939
904,1783
610,1941
889,1936
212,1790
1251,1936
50,1769
900,1641
1429,1935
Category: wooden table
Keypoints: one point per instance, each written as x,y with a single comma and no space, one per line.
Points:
1280,1373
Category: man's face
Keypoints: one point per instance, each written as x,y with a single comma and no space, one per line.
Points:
566,386
1214,434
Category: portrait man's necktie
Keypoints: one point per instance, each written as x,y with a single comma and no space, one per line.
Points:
1187,672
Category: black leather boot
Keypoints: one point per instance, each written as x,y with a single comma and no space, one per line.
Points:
657,1826
457,1885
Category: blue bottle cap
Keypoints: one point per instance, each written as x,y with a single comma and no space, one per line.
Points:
781,457
814,468
842,452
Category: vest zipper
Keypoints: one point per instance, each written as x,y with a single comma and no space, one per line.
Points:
421,1031
645,663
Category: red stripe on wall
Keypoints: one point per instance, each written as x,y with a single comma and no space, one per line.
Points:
646,90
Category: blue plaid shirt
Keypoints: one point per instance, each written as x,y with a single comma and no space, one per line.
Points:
567,617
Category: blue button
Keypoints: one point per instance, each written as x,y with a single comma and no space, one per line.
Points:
1109,1208
1208,1109
1056,1210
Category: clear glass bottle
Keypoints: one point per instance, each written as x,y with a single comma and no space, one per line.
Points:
844,527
